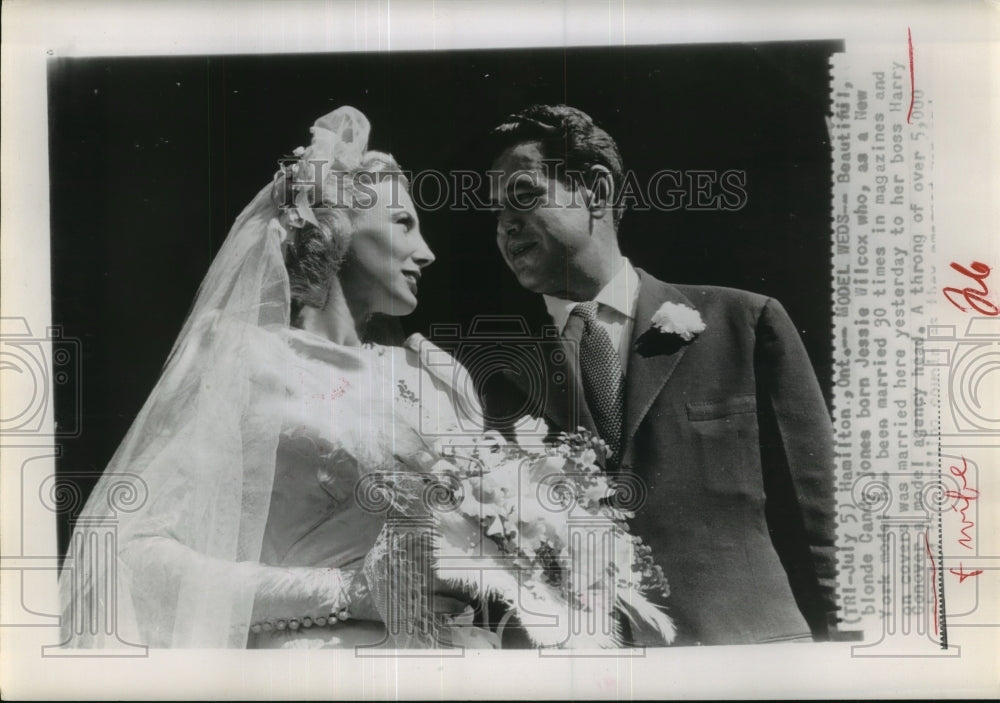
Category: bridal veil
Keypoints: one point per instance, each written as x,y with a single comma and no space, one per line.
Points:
161,553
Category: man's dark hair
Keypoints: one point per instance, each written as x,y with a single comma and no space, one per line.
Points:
567,134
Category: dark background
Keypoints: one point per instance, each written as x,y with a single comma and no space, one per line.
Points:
151,159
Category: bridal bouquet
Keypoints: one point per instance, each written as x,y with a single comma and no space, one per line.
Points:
543,530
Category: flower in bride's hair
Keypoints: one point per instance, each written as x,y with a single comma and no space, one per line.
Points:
338,144
674,318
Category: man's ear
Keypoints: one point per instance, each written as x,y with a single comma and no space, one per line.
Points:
602,191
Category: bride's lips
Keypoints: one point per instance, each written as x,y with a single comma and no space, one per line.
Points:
413,278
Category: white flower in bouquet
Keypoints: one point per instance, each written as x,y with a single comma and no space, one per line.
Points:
533,528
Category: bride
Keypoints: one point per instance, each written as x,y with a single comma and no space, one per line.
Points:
272,405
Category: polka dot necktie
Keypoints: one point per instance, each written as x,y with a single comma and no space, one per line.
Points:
603,380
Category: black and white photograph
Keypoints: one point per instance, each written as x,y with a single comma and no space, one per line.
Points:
702,389
575,354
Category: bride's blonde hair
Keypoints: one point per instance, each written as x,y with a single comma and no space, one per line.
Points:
314,257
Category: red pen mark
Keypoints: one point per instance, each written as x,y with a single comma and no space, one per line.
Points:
909,42
927,546
337,391
974,296
963,574
340,390
966,495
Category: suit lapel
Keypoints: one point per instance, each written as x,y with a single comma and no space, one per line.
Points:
652,358
653,355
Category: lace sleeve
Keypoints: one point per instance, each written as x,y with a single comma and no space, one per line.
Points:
271,593
285,593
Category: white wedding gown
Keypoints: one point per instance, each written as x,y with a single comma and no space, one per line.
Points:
348,412
343,413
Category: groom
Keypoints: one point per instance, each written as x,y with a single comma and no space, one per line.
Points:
704,395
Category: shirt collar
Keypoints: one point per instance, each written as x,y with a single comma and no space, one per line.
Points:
618,294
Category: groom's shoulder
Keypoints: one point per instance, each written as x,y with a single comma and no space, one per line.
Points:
723,296
718,299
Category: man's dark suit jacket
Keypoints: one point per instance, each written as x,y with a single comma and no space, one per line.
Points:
732,440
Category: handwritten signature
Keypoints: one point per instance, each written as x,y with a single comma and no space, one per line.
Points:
963,498
913,92
975,296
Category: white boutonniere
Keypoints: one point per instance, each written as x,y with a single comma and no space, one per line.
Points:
673,318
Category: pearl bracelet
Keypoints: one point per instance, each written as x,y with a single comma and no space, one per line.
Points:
306,622
345,579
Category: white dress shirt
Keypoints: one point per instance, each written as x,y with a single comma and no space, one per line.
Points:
615,309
